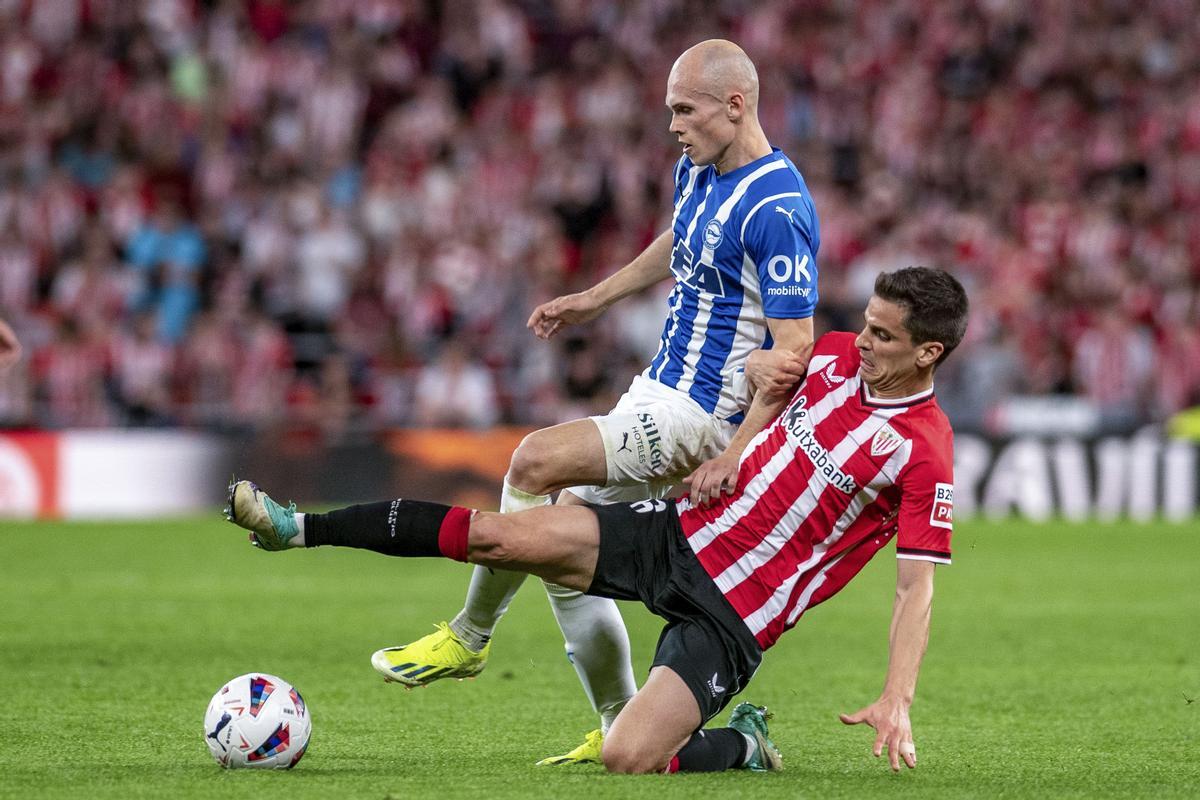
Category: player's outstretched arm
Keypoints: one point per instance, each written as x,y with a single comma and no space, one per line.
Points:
10,348
793,341
650,267
909,634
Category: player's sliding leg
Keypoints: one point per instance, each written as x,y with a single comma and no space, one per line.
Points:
658,732
743,744
398,527
556,543
659,721
461,647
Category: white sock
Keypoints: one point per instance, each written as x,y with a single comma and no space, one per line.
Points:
491,591
608,715
598,647
298,539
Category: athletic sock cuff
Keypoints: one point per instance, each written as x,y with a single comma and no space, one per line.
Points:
452,534
514,499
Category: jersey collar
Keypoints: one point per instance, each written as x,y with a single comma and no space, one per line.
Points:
894,402
746,169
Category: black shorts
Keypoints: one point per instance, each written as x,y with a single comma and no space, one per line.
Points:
644,556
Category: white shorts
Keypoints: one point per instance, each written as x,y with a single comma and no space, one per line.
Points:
653,438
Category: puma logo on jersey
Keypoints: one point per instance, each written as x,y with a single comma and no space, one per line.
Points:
624,442
788,213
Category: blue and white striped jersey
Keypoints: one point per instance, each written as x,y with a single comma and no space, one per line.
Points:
745,248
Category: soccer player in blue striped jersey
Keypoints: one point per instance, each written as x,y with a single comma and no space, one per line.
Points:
742,250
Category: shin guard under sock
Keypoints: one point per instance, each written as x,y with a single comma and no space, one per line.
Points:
711,750
407,528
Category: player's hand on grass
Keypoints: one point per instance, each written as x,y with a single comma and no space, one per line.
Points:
775,373
10,348
570,309
712,478
893,730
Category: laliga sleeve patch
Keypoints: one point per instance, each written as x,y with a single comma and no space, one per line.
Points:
942,515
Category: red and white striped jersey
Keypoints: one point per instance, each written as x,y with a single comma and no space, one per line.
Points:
822,489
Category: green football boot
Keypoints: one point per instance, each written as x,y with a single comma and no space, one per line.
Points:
752,721
271,525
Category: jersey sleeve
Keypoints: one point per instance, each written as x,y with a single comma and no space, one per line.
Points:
780,236
926,518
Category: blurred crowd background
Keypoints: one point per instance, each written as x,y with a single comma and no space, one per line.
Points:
337,214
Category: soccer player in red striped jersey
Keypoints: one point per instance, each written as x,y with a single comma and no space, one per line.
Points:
860,455
820,490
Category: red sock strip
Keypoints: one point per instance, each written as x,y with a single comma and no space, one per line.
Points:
673,766
452,535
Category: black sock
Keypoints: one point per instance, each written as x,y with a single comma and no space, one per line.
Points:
712,750
397,528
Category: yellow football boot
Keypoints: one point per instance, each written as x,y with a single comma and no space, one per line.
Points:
439,655
586,753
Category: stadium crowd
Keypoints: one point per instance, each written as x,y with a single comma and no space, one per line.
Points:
338,213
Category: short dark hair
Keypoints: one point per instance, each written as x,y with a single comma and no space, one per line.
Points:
935,302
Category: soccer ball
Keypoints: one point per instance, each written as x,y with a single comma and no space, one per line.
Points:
257,720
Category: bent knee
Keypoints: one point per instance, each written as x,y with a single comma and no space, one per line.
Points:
571,454
620,758
530,465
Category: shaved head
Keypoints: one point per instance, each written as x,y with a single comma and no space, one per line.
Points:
712,94
719,68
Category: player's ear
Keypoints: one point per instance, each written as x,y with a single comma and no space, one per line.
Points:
735,106
928,354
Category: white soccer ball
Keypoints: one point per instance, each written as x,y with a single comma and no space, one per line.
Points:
259,721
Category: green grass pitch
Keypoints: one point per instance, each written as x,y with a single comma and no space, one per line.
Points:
1064,662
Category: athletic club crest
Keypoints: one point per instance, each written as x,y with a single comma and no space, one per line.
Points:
886,440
